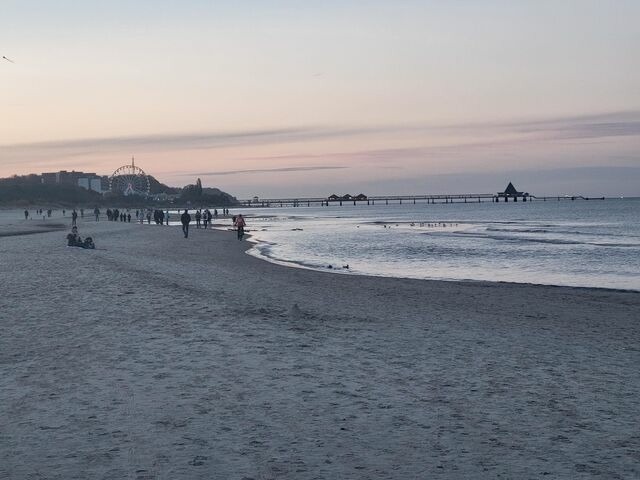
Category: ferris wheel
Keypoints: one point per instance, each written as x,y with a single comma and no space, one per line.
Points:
130,180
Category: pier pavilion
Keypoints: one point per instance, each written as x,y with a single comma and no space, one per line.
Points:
511,192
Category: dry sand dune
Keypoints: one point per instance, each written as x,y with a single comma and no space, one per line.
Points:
162,357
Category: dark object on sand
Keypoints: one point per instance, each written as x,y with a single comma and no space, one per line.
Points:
74,240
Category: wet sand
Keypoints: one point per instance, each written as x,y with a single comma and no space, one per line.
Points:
159,357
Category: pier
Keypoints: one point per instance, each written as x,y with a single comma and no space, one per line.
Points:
403,199
509,194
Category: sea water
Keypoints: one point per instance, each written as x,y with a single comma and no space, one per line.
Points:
593,243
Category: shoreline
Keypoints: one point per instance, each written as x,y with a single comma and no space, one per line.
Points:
342,271
162,357
252,242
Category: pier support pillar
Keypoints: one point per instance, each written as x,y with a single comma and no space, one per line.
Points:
340,202
386,202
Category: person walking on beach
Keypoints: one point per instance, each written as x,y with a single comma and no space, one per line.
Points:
185,219
167,217
209,217
198,217
240,224
74,217
26,214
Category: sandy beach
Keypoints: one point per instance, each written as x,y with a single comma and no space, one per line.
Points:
159,357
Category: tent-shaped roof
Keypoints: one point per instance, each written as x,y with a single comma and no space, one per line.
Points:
511,190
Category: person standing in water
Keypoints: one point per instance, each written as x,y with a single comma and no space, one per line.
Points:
185,219
240,224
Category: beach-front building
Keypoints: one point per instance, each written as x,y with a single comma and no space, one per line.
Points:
88,181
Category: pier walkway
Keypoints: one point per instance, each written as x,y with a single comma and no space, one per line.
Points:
413,199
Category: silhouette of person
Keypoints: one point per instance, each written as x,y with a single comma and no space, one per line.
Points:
185,219
240,224
73,239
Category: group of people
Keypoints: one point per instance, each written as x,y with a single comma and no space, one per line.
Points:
74,240
45,213
203,218
114,215
185,220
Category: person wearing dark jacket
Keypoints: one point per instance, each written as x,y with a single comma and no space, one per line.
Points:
185,218
74,240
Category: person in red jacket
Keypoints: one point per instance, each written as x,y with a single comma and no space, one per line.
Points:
240,224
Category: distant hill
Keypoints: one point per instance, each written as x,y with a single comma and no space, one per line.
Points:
196,194
28,190
157,187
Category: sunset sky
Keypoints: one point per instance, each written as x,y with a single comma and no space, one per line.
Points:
284,98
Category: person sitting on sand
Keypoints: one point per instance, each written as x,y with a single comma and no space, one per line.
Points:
74,240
